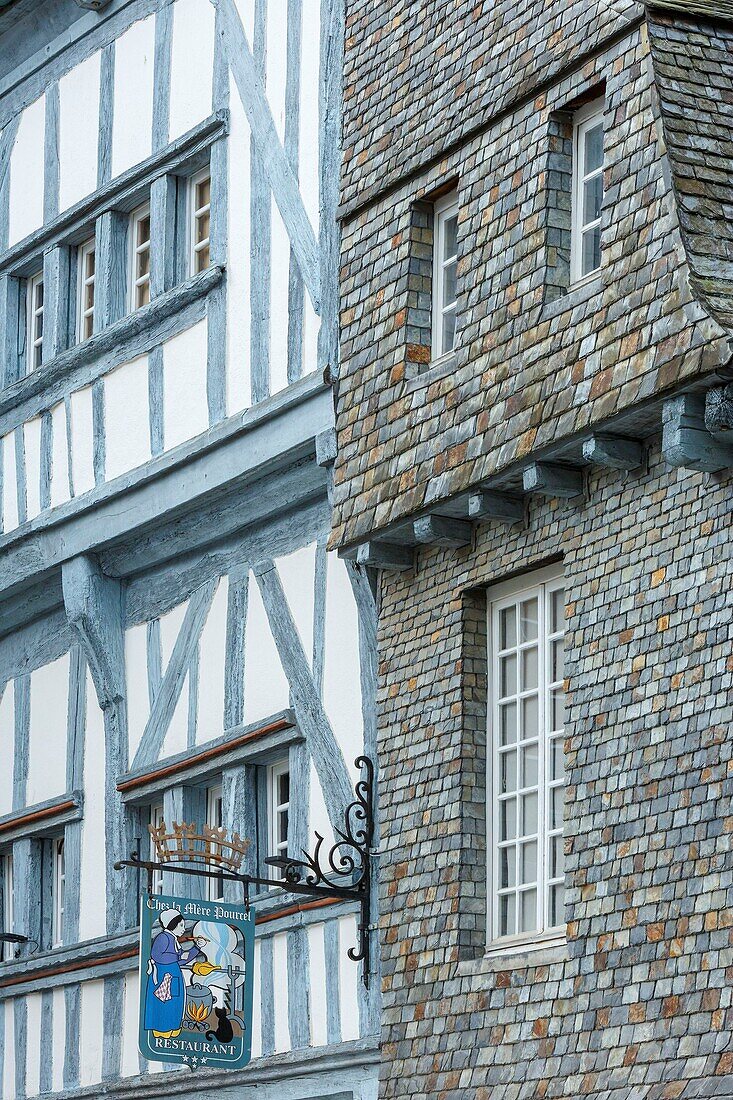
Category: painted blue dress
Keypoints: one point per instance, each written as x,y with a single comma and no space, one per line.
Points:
166,957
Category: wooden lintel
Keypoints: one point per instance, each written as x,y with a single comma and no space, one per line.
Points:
551,480
491,504
686,442
442,531
613,451
385,555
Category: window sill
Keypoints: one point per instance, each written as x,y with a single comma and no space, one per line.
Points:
436,369
576,295
523,956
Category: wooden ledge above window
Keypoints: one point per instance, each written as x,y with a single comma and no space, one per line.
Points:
251,744
43,818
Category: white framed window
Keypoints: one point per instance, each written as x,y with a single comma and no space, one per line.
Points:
155,817
587,197
34,310
8,949
445,262
526,759
215,819
85,294
199,190
59,890
278,806
140,257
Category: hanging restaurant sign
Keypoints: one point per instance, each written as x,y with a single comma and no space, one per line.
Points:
195,982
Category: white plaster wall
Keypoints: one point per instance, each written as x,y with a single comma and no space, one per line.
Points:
279,274
317,955
246,9
297,575
348,979
33,1049
136,676
7,750
26,173
308,174
82,441
239,395
127,420
132,125
276,70
130,1059
78,131
32,444
280,986
212,649
185,407
192,64
10,483
266,687
9,1048
58,1044
59,456
92,1032
49,706
176,738
341,679
92,909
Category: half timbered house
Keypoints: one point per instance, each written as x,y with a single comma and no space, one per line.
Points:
175,639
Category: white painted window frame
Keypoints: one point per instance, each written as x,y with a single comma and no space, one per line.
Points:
58,889
583,120
540,583
443,209
215,819
8,949
32,312
275,808
194,213
84,280
135,249
155,816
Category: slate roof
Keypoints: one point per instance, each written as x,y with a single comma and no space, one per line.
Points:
713,9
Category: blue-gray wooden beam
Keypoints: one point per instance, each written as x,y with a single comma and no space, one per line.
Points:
163,200
551,480
385,555
442,531
686,442
489,504
111,269
58,301
613,451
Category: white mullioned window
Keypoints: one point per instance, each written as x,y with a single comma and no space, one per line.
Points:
215,819
87,274
155,817
587,198
59,890
278,803
8,949
200,220
526,761
445,262
34,310
140,257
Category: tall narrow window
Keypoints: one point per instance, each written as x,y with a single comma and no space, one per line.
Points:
155,817
200,220
587,200
279,808
140,274
526,725
215,819
59,890
35,321
8,949
87,265
445,262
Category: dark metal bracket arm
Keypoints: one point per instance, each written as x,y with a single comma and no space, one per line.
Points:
345,873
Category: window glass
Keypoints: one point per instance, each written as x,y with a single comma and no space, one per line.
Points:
8,949
35,321
140,281
279,809
215,819
87,276
587,191
445,264
200,187
526,718
59,891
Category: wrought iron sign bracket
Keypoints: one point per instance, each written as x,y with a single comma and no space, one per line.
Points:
345,873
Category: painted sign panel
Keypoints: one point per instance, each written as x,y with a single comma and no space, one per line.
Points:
195,982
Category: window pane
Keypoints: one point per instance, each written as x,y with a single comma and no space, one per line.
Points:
593,148
449,331
284,787
530,668
592,198
508,723
557,758
203,258
143,229
556,856
557,671
143,263
529,814
557,905
508,675
39,295
528,862
202,227
508,819
591,250
508,772
529,620
530,716
143,294
507,867
528,911
530,765
449,284
203,193
450,237
508,631
557,610
507,915
557,797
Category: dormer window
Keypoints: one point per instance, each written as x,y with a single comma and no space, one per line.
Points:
445,263
587,200
140,274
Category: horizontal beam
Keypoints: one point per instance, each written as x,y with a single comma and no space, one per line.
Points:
613,451
442,531
385,555
686,442
42,818
490,504
551,480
